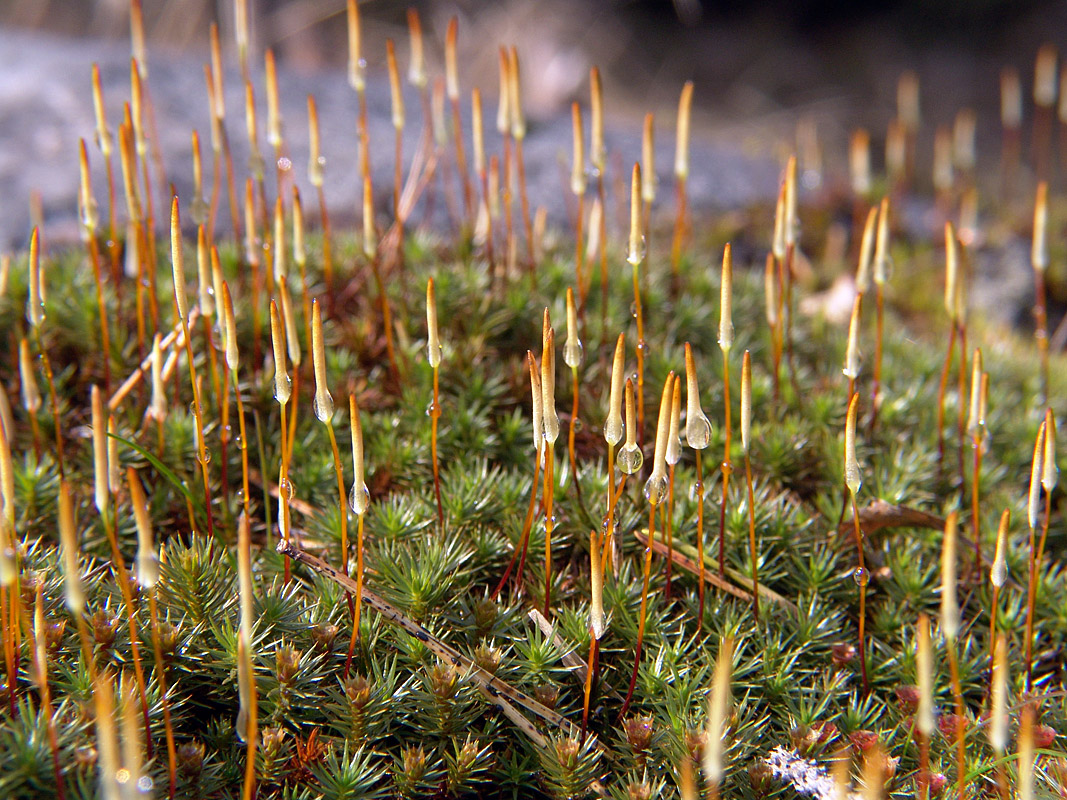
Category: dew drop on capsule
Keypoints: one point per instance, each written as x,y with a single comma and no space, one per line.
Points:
630,458
656,488
573,353
698,432
359,499
323,406
147,569
283,388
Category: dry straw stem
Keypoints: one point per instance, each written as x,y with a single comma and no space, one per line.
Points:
718,716
495,690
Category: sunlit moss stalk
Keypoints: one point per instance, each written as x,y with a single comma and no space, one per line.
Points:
954,308
30,394
359,502
726,341
452,88
655,493
39,649
746,436
635,255
433,358
853,481
1033,503
539,446
35,317
573,354
178,272
90,222
881,276
550,430
698,437
232,364
283,387
977,430
370,252
924,716
598,159
316,170
681,177
148,578
613,433
248,712
102,137
101,499
578,187
950,627
673,456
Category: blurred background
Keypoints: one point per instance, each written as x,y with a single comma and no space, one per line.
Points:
758,68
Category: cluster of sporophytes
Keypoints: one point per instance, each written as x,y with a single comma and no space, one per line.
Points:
202,595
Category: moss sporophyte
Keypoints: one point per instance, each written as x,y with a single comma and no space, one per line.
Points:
451,611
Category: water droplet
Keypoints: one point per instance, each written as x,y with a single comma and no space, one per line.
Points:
147,569
323,406
656,488
321,160
239,441
642,347
633,309
284,164
573,354
433,409
633,377
287,486
359,499
630,458
204,458
239,495
861,576
144,784
696,491
698,432
576,424
283,390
